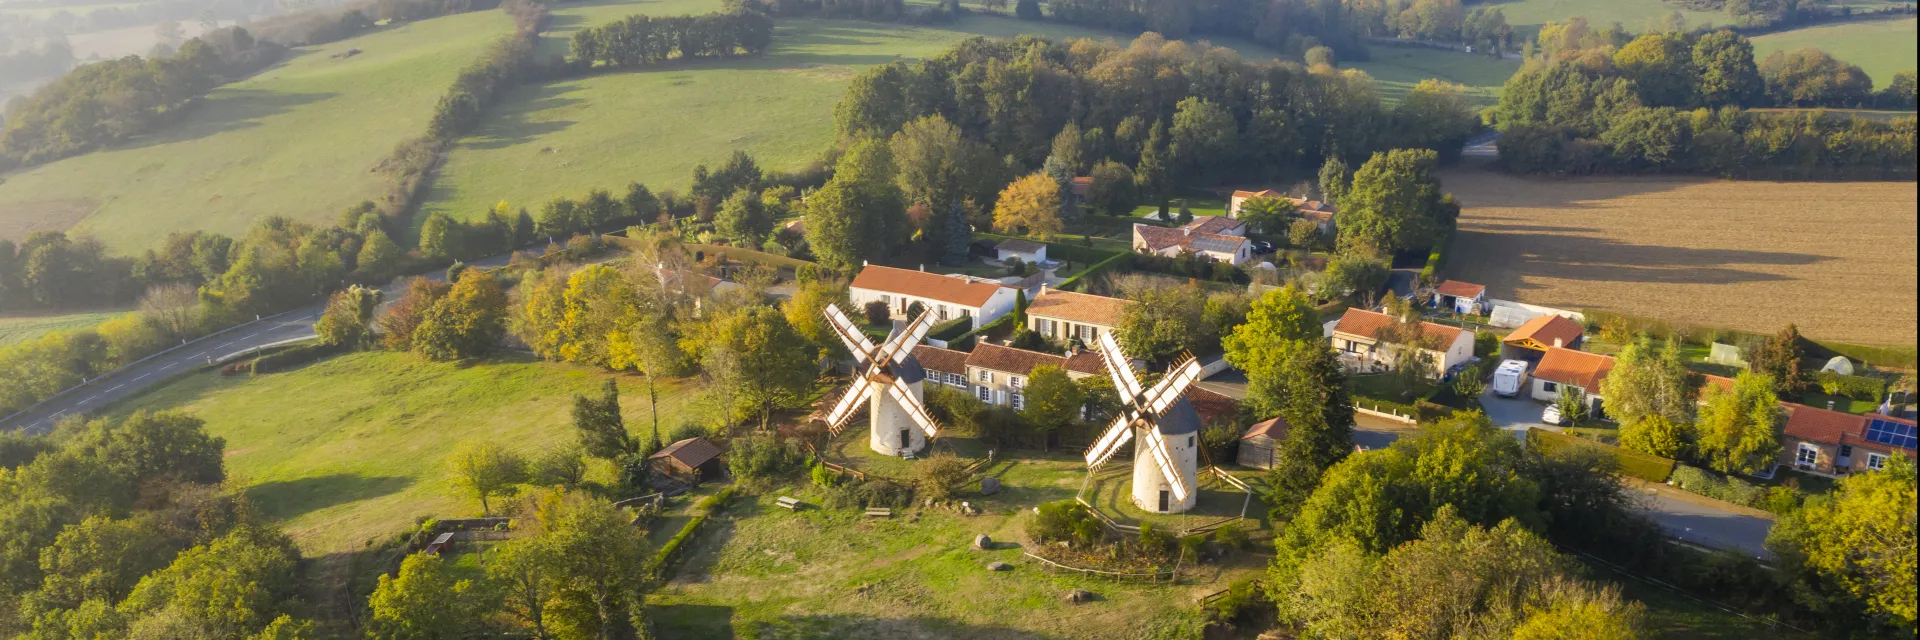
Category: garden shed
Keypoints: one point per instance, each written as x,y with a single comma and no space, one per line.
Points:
1027,251
1258,445
690,460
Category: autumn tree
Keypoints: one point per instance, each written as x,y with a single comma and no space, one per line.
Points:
467,323
1856,550
1162,322
1738,428
484,469
348,319
757,361
1029,206
425,601
1646,382
1779,358
405,314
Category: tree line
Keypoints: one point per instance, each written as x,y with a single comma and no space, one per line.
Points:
33,63
107,102
641,41
1674,103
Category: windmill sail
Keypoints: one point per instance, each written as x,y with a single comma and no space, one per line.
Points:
1109,443
1172,387
850,334
1119,367
849,402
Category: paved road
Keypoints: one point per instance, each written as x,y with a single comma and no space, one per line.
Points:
131,380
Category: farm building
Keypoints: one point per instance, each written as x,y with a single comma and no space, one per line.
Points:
1534,338
1027,251
946,296
1212,237
1356,337
1569,368
1831,442
690,460
1258,444
1461,297
1065,316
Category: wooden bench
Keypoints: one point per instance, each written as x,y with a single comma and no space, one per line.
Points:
788,502
880,513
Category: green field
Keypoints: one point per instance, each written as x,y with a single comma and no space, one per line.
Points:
300,139
24,327
1397,69
351,448
1526,16
1881,48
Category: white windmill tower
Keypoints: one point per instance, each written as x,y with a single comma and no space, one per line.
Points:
888,379
1165,430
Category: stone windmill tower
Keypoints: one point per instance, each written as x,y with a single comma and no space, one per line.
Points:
1165,430
889,381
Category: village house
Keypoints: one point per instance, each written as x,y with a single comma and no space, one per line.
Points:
1829,442
946,296
1065,316
1461,297
1568,368
943,366
1027,251
1536,336
1214,238
998,374
1356,337
1320,213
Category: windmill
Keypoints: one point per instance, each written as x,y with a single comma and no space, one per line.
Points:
888,378
1165,430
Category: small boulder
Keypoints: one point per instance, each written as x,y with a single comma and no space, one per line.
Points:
982,542
1078,596
989,486
999,566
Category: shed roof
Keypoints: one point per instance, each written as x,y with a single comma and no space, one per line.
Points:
1460,289
1274,428
1019,245
691,452
1577,368
1079,307
1545,329
921,284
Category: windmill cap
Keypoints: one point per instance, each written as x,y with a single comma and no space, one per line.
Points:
1179,420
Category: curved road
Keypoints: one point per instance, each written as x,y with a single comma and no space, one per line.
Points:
133,379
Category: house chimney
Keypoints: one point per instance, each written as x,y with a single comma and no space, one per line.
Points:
923,266
863,263
1043,288
1829,405
1557,343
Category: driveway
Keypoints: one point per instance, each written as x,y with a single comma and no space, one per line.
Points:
1516,414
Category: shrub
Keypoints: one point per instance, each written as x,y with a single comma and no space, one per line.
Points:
875,493
1735,490
940,477
763,456
1864,388
877,312
1065,520
822,476
290,358
1231,535
1648,467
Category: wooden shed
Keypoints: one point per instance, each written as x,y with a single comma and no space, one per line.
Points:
1259,446
691,460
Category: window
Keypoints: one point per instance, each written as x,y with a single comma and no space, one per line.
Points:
985,394
1550,387
957,380
1016,381
1189,441
1806,456
1846,451
986,376
1875,461
1019,401
943,313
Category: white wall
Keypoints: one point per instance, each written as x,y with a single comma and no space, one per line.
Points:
898,304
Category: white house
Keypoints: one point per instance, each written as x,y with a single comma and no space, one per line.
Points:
1461,297
1027,251
1064,316
1569,368
1319,212
998,374
946,296
1213,237
1356,337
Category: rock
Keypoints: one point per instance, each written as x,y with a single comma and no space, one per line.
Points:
1077,596
982,542
999,566
989,486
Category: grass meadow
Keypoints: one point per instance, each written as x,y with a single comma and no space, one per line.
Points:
1881,48
300,139
351,448
23,327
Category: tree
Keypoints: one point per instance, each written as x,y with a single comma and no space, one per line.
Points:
1728,76
525,571
595,562
1436,115
941,169
231,587
484,469
1737,428
405,314
598,424
757,359
743,220
1162,322
1112,189
857,215
1153,174
153,446
424,601
1029,206
1052,400
348,319
558,467
1308,391
1303,235
1779,358
1335,180
1572,403
379,257
467,323
101,559
1267,215
1278,317
1662,68
1657,435
651,348
806,310
1809,77
437,241
1356,275
1645,383
1395,204
1858,547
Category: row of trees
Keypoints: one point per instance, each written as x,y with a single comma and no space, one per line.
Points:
103,103
1716,69
1666,410
642,41
121,529
1294,26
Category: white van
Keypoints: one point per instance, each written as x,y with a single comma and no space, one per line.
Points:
1510,378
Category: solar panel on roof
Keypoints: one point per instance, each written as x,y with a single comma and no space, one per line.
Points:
1891,433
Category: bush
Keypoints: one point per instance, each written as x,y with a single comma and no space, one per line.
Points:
941,477
1067,521
1863,388
1780,499
877,493
877,312
763,456
1231,535
290,358
824,477
1648,467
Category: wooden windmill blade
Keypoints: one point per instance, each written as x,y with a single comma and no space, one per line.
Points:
1109,442
1173,387
1120,367
1164,460
850,402
850,334
903,394
911,338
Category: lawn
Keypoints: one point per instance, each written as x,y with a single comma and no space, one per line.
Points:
27,326
300,139
1397,69
1673,616
1526,16
1881,47
351,448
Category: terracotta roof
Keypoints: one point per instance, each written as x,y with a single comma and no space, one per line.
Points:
1312,206
1275,428
1087,362
1365,324
1010,360
1547,328
1081,185
1822,425
1159,238
921,284
1577,368
1079,307
1212,407
1723,382
1255,194
1460,289
1016,244
1212,224
943,360
691,452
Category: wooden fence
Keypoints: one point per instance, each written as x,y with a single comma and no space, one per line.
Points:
1157,575
1217,596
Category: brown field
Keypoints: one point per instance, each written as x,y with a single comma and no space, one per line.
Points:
1836,258
19,220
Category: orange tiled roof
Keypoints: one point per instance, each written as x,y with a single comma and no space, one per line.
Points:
1577,368
1010,360
943,360
1366,324
1547,328
1822,425
1159,238
921,284
1079,307
1460,289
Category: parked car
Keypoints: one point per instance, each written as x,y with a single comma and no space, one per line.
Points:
1262,246
1551,415
1510,378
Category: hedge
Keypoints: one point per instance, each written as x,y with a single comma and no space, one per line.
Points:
950,330
1650,468
290,358
1436,257
961,343
1856,387
1098,268
705,508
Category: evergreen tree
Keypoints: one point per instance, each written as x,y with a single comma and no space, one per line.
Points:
597,422
958,235
1152,171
